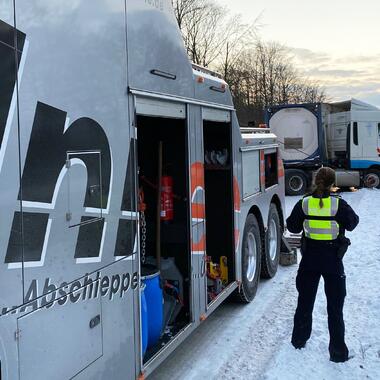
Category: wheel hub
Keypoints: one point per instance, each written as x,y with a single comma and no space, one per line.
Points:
272,237
372,180
252,249
296,183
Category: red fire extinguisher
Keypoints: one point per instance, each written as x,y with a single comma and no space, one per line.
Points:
167,199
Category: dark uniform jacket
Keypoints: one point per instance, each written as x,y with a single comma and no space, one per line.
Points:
321,256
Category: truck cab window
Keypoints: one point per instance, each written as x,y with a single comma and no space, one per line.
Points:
271,172
355,134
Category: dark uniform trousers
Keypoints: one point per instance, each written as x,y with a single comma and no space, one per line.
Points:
335,290
321,258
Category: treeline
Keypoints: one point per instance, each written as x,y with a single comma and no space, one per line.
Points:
259,73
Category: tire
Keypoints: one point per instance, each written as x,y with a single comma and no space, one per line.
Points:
250,260
372,179
295,182
271,254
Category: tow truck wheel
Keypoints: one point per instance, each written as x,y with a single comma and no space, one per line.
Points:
251,260
271,254
372,179
295,182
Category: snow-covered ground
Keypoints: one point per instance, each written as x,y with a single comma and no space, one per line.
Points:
253,341
362,310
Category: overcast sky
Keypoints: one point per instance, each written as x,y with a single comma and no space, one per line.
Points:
336,42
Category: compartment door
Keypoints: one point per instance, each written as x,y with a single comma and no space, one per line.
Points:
198,238
72,334
363,142
198,200
368,139
198,222
198,210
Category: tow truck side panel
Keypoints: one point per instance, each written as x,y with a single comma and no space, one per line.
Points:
69,241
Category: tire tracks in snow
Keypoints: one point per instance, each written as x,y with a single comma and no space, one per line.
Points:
265,336
237,334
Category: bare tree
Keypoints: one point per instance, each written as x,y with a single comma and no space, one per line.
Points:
260,74
266,75
212,36
184,8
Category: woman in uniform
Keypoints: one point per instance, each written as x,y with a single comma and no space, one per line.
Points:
323,218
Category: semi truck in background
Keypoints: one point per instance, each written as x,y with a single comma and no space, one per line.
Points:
344,136
131,204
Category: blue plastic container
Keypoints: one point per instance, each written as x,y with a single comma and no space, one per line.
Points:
144,321
154,301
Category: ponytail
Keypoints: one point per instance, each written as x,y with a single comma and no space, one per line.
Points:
319,191
324,179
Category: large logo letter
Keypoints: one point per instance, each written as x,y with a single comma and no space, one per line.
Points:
8,77
50,146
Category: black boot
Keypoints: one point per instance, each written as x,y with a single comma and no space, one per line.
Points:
340,356
298,344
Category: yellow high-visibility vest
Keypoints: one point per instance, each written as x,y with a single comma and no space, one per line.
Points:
323,226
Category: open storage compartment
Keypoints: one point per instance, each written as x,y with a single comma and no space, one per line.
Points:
219,207
166,294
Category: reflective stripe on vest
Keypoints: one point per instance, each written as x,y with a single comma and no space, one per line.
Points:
320,229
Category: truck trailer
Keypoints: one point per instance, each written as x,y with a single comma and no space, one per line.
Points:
131,204
344,136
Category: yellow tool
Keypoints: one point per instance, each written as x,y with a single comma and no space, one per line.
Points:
218,271
224,270
214,272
